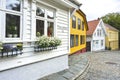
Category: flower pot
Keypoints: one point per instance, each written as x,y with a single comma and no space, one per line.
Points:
10,35
15,35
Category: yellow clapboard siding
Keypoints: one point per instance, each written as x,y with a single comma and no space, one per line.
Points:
79,32
112,39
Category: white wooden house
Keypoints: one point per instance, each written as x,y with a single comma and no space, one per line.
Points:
29,17
96,35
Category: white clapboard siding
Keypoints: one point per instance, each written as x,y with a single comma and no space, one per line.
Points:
0,27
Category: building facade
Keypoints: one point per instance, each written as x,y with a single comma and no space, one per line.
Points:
20,20
112,40
96,35
78,28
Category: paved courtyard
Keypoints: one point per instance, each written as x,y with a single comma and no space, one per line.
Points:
104,66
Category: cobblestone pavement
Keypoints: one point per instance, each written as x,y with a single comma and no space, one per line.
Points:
104,66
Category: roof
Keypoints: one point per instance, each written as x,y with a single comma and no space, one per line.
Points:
75,2
110,27
92,26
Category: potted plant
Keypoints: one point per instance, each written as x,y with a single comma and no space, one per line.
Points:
38,34
7,48
19,47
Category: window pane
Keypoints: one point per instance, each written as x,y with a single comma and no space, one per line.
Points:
79,23
13,4
71,40
94,34
40,12
82,25
40,27
50,15
50,29
76,40
98,32
81,39
12,26
74,22
101,42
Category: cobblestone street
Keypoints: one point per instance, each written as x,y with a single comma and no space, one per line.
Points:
104,66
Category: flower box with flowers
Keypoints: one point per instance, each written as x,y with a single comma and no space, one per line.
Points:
45,43
11,49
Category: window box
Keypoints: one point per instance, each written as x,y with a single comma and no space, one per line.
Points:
45,43
39,49
9,49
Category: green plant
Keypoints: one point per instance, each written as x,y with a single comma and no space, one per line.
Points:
38,34
45,41
55,42
19,46
1,46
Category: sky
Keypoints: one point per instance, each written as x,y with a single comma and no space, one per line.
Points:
98,8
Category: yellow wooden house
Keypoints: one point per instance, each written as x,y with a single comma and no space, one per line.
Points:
78,28
112,40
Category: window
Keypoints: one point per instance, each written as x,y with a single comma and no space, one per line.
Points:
94,43
98,32
79,23
76,40
45,16
73,22
12,20
82,25
71,40
97,42
12,25
101,42
40,12
94,34
40,26
82,39
50,14
13,5
50,29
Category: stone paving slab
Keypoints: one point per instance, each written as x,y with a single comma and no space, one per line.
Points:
77,65
54,77
68,75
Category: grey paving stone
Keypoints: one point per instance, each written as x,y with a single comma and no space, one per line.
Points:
62,72
57,77
68,75
73,71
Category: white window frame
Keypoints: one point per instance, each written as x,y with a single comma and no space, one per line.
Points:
45,19
5,11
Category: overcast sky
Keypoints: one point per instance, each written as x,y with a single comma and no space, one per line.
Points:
97,8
